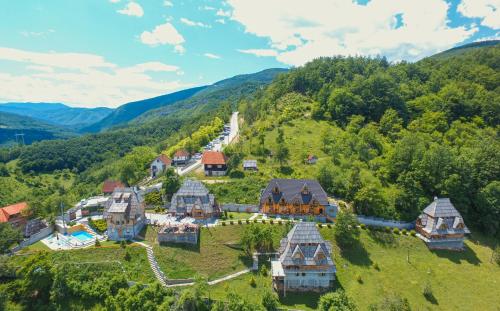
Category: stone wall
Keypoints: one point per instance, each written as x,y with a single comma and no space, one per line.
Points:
380,222
45,232
246,208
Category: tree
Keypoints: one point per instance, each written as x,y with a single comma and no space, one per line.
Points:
270,301
369,201
337,301
153,198
171,183
342,104
8,236
345,229
282,153
391,123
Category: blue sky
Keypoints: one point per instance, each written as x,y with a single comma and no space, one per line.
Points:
108,52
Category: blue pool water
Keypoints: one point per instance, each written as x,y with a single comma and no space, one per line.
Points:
82,235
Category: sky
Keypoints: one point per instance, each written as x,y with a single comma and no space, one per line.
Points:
104,53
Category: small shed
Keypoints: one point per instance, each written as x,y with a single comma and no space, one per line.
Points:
311,159
250,165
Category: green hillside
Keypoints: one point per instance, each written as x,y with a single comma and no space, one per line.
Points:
33,130
465,48
389,137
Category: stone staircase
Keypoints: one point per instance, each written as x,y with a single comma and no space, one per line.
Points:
154,266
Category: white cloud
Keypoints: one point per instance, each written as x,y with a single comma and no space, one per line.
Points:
36,33
114,1
301,32
193,23
168,3
132,9
208,8
164,34
221,12
210,55
487,10
220,21
82,79
260,52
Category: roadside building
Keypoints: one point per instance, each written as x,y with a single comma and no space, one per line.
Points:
179,233
124,214
441,226
159,165
13,214
181,157
194,200
110,185
214,163
305,261
297,198
250,165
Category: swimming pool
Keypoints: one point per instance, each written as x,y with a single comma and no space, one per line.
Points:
82,235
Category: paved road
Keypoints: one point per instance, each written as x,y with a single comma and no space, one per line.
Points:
233,133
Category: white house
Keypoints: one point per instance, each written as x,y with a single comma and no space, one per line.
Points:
160,164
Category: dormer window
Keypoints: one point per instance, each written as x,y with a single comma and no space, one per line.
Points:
276,190
305,190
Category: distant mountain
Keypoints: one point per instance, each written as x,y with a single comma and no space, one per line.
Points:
231,89
33,130
57,114
465,48
132,110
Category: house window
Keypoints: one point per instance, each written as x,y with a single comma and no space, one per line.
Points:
219,166
209,165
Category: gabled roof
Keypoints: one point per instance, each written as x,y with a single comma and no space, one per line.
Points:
11,210
304,232
441,208
290,188
164,159
110,185
213,157
181,153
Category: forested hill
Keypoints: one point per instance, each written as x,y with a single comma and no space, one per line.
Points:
389,137
33,130
57,114
466,48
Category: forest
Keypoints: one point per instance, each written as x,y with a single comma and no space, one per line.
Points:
396,134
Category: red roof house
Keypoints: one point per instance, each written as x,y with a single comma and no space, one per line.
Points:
161,163
181,156
110,185
12,214
164,159
214,163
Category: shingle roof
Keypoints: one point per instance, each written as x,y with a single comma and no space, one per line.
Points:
213,157
291,189
110,185
441,208
11,210
181,153
164,159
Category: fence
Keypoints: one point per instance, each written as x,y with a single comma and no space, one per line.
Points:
45,232
380,222
246,208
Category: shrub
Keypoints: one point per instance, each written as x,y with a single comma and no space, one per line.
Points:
263,221
247,221
123,244
329,225
252,282
127,256
387,229
263,270
363,226
97,243
223,223
231,216
376,267
236,174
255,221
396,230
496,255
359,279
271,221
427,291
404,232
270,301
231,222
413,233
279,222
320,225
239,222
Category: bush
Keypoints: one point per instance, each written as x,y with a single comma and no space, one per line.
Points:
252,282
270,301
123,244
239,222
231,216
263,221
263,270
376,267
247,221
279,222
255,221
236,174
359,279
329,225
271,221
396,231
97,243
363,226
127,256
427,291
320,225
231,222
413,233
404,232
98,225
387,229
223,223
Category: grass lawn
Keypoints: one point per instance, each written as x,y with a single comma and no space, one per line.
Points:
459,280
35,247
237,215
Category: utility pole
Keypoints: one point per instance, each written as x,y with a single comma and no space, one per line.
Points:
62,216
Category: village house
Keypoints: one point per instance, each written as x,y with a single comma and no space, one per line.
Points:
110,185
179,233
194,200
441,226
304,262
181,157
124,214
159,165
13,214
214,163
297,198
250,165
311,159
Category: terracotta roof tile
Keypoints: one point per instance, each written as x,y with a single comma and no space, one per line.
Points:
181,153
110,185
213,157
7,211
166,160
